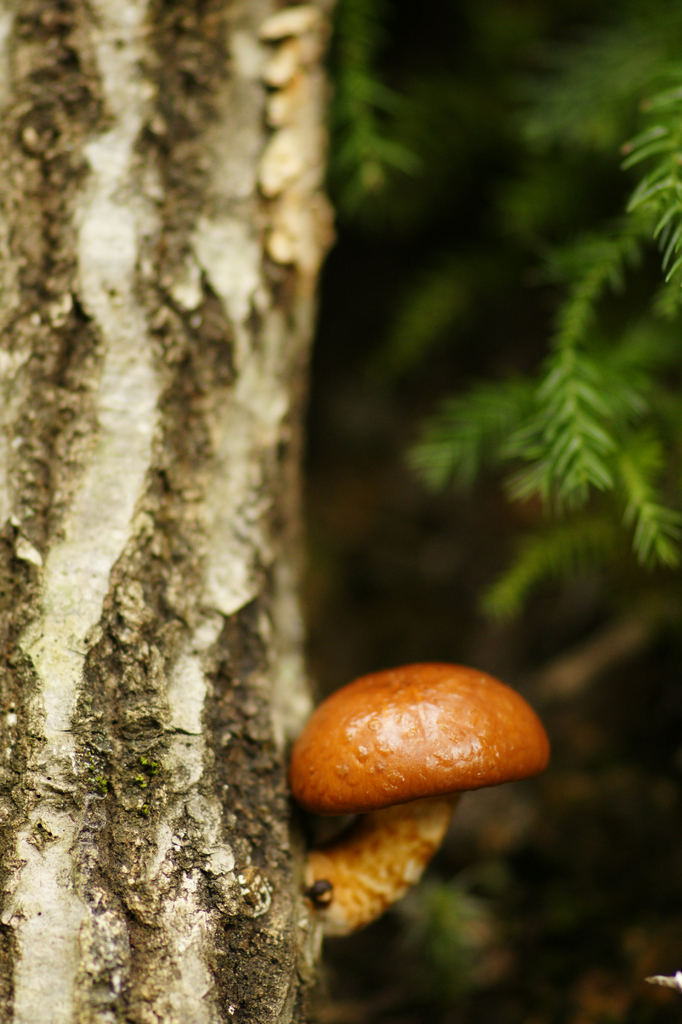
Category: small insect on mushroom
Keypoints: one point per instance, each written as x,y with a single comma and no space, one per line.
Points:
398,747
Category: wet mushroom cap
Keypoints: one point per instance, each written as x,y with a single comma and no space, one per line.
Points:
412,732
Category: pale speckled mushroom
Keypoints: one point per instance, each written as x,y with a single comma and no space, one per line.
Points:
397,747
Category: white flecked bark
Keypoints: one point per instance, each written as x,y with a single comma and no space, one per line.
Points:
46,913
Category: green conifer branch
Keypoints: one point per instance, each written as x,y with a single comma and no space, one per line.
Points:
569,437
667,301
557,552
440,300
428,309
566,441
589,99
469,432
364,151
657,528
604,412
659,193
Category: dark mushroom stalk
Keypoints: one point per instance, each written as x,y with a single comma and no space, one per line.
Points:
398,747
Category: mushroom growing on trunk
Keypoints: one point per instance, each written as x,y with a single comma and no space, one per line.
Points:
398,747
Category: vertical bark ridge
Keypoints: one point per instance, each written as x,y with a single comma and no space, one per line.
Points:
49,354
48,913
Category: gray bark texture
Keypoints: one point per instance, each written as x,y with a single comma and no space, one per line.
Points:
161,230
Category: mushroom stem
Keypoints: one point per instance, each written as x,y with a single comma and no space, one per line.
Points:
375,862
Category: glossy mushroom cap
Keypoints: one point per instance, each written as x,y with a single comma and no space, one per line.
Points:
412,732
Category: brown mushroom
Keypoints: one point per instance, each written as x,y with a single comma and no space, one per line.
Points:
398,747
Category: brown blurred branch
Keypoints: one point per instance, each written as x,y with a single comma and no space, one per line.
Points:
576,669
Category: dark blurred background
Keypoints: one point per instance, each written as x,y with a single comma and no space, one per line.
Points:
551,900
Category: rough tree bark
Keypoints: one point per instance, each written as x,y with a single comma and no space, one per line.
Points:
161,229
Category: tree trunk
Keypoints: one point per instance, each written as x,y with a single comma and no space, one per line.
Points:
161,228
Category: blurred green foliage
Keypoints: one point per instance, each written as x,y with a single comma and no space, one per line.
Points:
366,151
551,97
450,928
